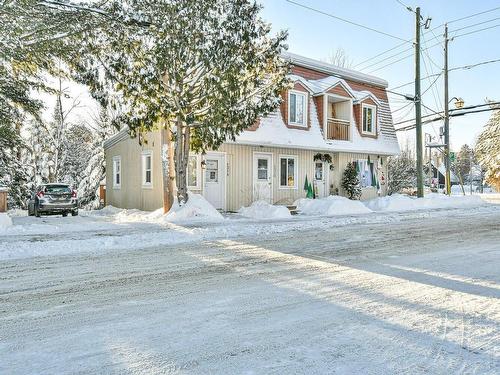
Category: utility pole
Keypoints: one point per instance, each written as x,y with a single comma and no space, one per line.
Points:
446,115
418,108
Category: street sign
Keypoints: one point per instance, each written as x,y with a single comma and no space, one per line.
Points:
452,156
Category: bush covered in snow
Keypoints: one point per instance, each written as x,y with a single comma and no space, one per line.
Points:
331,206
264,210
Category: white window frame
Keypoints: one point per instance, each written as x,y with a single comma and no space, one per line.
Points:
198,174
374,118
144,155
304,94
117,160
295,172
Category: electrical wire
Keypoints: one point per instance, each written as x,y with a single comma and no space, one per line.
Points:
475,31
475,24
345,20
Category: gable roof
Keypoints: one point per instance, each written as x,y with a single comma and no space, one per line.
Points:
334,70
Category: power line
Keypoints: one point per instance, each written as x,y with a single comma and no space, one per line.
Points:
431,31
401,59
345,20
471,15
475,24
475,31
408,8
387,58
464,67
453,112
467,67
382,53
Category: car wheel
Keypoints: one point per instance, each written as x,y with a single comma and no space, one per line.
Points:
74,213
65,214
37,213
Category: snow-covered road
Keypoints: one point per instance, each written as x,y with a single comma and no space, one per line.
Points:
419,294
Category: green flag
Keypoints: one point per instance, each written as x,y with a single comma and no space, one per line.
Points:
306,184
310,192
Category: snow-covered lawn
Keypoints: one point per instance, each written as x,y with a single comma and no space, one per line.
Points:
113,229
380,293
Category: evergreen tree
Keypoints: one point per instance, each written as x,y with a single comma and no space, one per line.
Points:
488,149
402,171
350,182
461,165
202,70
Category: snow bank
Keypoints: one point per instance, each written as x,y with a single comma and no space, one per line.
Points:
400,202
5,221
196,207
264,210
331,206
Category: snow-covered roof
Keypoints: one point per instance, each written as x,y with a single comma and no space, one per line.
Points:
273,132
334,70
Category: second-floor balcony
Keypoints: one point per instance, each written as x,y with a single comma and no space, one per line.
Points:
337,129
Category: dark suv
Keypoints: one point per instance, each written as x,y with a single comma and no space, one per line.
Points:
53,199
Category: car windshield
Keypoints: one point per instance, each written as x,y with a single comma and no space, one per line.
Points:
57,189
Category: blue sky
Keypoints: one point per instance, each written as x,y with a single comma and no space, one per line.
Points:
316,36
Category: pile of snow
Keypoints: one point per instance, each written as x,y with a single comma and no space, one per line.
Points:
105,211
196,207
264,210
5,221
331,206
400,202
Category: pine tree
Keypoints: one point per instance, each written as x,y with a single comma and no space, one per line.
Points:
488,149
350,182
401,170
202,70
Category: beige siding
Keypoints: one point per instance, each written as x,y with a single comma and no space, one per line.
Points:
341,159
132,194
240,174
239,180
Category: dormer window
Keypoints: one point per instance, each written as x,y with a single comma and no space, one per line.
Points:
297,108
368,118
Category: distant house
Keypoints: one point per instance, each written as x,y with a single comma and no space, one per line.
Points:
439,173
331,116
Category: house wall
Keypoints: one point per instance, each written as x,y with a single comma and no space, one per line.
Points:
132,194
239,181
239,185
342,159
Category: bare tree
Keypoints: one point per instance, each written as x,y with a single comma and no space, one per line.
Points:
340,58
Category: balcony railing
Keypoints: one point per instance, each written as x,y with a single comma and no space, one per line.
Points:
337,129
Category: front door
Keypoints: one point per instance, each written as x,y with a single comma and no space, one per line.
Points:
215,180
320,179
262,177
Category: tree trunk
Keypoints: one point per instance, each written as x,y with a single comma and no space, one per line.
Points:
168,170
181,158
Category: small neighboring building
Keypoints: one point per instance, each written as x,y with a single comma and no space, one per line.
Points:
330,117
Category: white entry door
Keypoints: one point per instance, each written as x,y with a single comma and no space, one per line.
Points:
215,180
262,177
321,179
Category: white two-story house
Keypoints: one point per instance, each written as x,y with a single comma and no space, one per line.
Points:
330,117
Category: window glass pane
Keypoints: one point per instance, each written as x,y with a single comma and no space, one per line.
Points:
293,108
262,169
318,171
283,179
148,162
192,171
212,171
300,109
291,172
148,177
367,119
